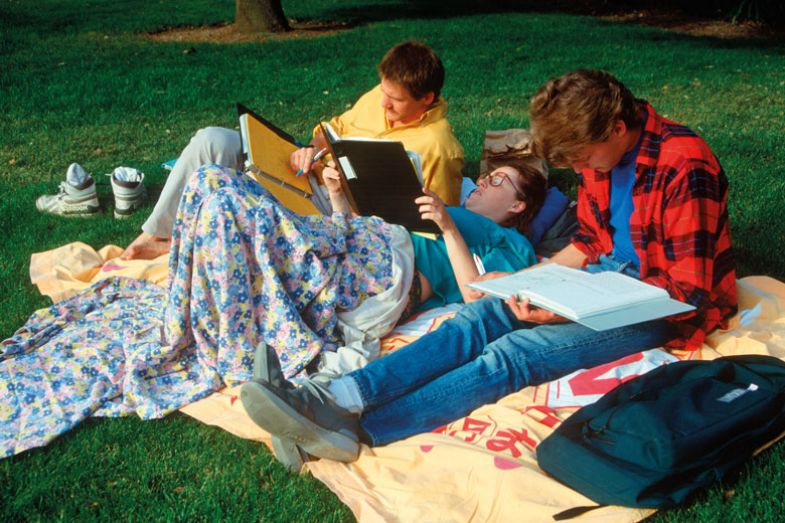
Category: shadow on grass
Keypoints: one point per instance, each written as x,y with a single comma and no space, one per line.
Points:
760,230
662,18
773,43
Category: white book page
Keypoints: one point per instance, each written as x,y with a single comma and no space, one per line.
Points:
604,292
333,136
572,292
244,138
414,157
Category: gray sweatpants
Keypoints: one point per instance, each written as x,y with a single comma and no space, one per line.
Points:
211,145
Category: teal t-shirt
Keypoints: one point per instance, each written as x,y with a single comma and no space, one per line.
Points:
499,248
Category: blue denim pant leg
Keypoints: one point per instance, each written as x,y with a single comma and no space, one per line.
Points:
453,344
529,355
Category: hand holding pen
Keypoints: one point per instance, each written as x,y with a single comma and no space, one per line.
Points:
318,156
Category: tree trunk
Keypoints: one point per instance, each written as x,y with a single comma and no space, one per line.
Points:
260,16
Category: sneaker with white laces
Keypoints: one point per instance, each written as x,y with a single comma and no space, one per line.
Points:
129,191
77,196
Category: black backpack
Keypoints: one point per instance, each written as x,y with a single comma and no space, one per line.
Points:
659,438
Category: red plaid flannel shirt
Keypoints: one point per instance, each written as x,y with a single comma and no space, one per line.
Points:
679,225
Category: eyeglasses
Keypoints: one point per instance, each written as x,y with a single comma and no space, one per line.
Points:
495,179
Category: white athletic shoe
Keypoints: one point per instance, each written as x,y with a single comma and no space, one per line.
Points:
77,195
129,191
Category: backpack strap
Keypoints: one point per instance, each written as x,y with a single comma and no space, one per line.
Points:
574,512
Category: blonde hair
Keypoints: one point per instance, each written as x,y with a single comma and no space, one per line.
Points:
579,109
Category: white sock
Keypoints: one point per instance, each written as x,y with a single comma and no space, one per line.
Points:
127,174
347,394
76,175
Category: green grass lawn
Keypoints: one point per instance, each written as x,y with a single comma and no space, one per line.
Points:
80,83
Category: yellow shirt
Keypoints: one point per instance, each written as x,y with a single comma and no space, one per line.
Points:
431,137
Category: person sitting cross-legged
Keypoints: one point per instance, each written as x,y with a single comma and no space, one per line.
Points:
406,106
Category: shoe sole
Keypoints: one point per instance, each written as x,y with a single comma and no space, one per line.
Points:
274,415
87,211
124,213
121,213
289,454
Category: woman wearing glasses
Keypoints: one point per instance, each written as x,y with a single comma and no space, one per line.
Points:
488,228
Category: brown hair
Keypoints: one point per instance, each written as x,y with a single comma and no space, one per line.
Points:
416,67
579,109
530,183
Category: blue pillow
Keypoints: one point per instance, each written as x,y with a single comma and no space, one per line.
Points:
554,205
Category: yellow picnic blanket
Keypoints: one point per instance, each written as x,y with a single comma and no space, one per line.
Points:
483,467
62,272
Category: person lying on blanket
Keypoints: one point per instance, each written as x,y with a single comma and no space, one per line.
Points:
507,199
248,270
245,272
406,106
652,204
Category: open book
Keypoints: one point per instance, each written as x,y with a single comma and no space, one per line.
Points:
267,150
380,177
600,301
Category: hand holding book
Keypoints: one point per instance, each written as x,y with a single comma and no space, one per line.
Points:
525,311
378,176
600,301
333,181
476,294
521,307
432,208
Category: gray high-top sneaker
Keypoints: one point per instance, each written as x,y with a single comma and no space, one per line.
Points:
77,196
129,191
306,416
267,370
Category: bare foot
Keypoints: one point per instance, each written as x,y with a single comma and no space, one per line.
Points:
146,247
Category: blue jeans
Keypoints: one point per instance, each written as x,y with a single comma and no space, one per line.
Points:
480,356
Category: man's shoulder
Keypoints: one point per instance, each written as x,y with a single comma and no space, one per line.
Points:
439,135
431,140
370,99
444,137
675,144
667,132
373,92
682,147
674,134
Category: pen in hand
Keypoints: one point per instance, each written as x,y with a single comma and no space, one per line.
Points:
316,158
478,264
